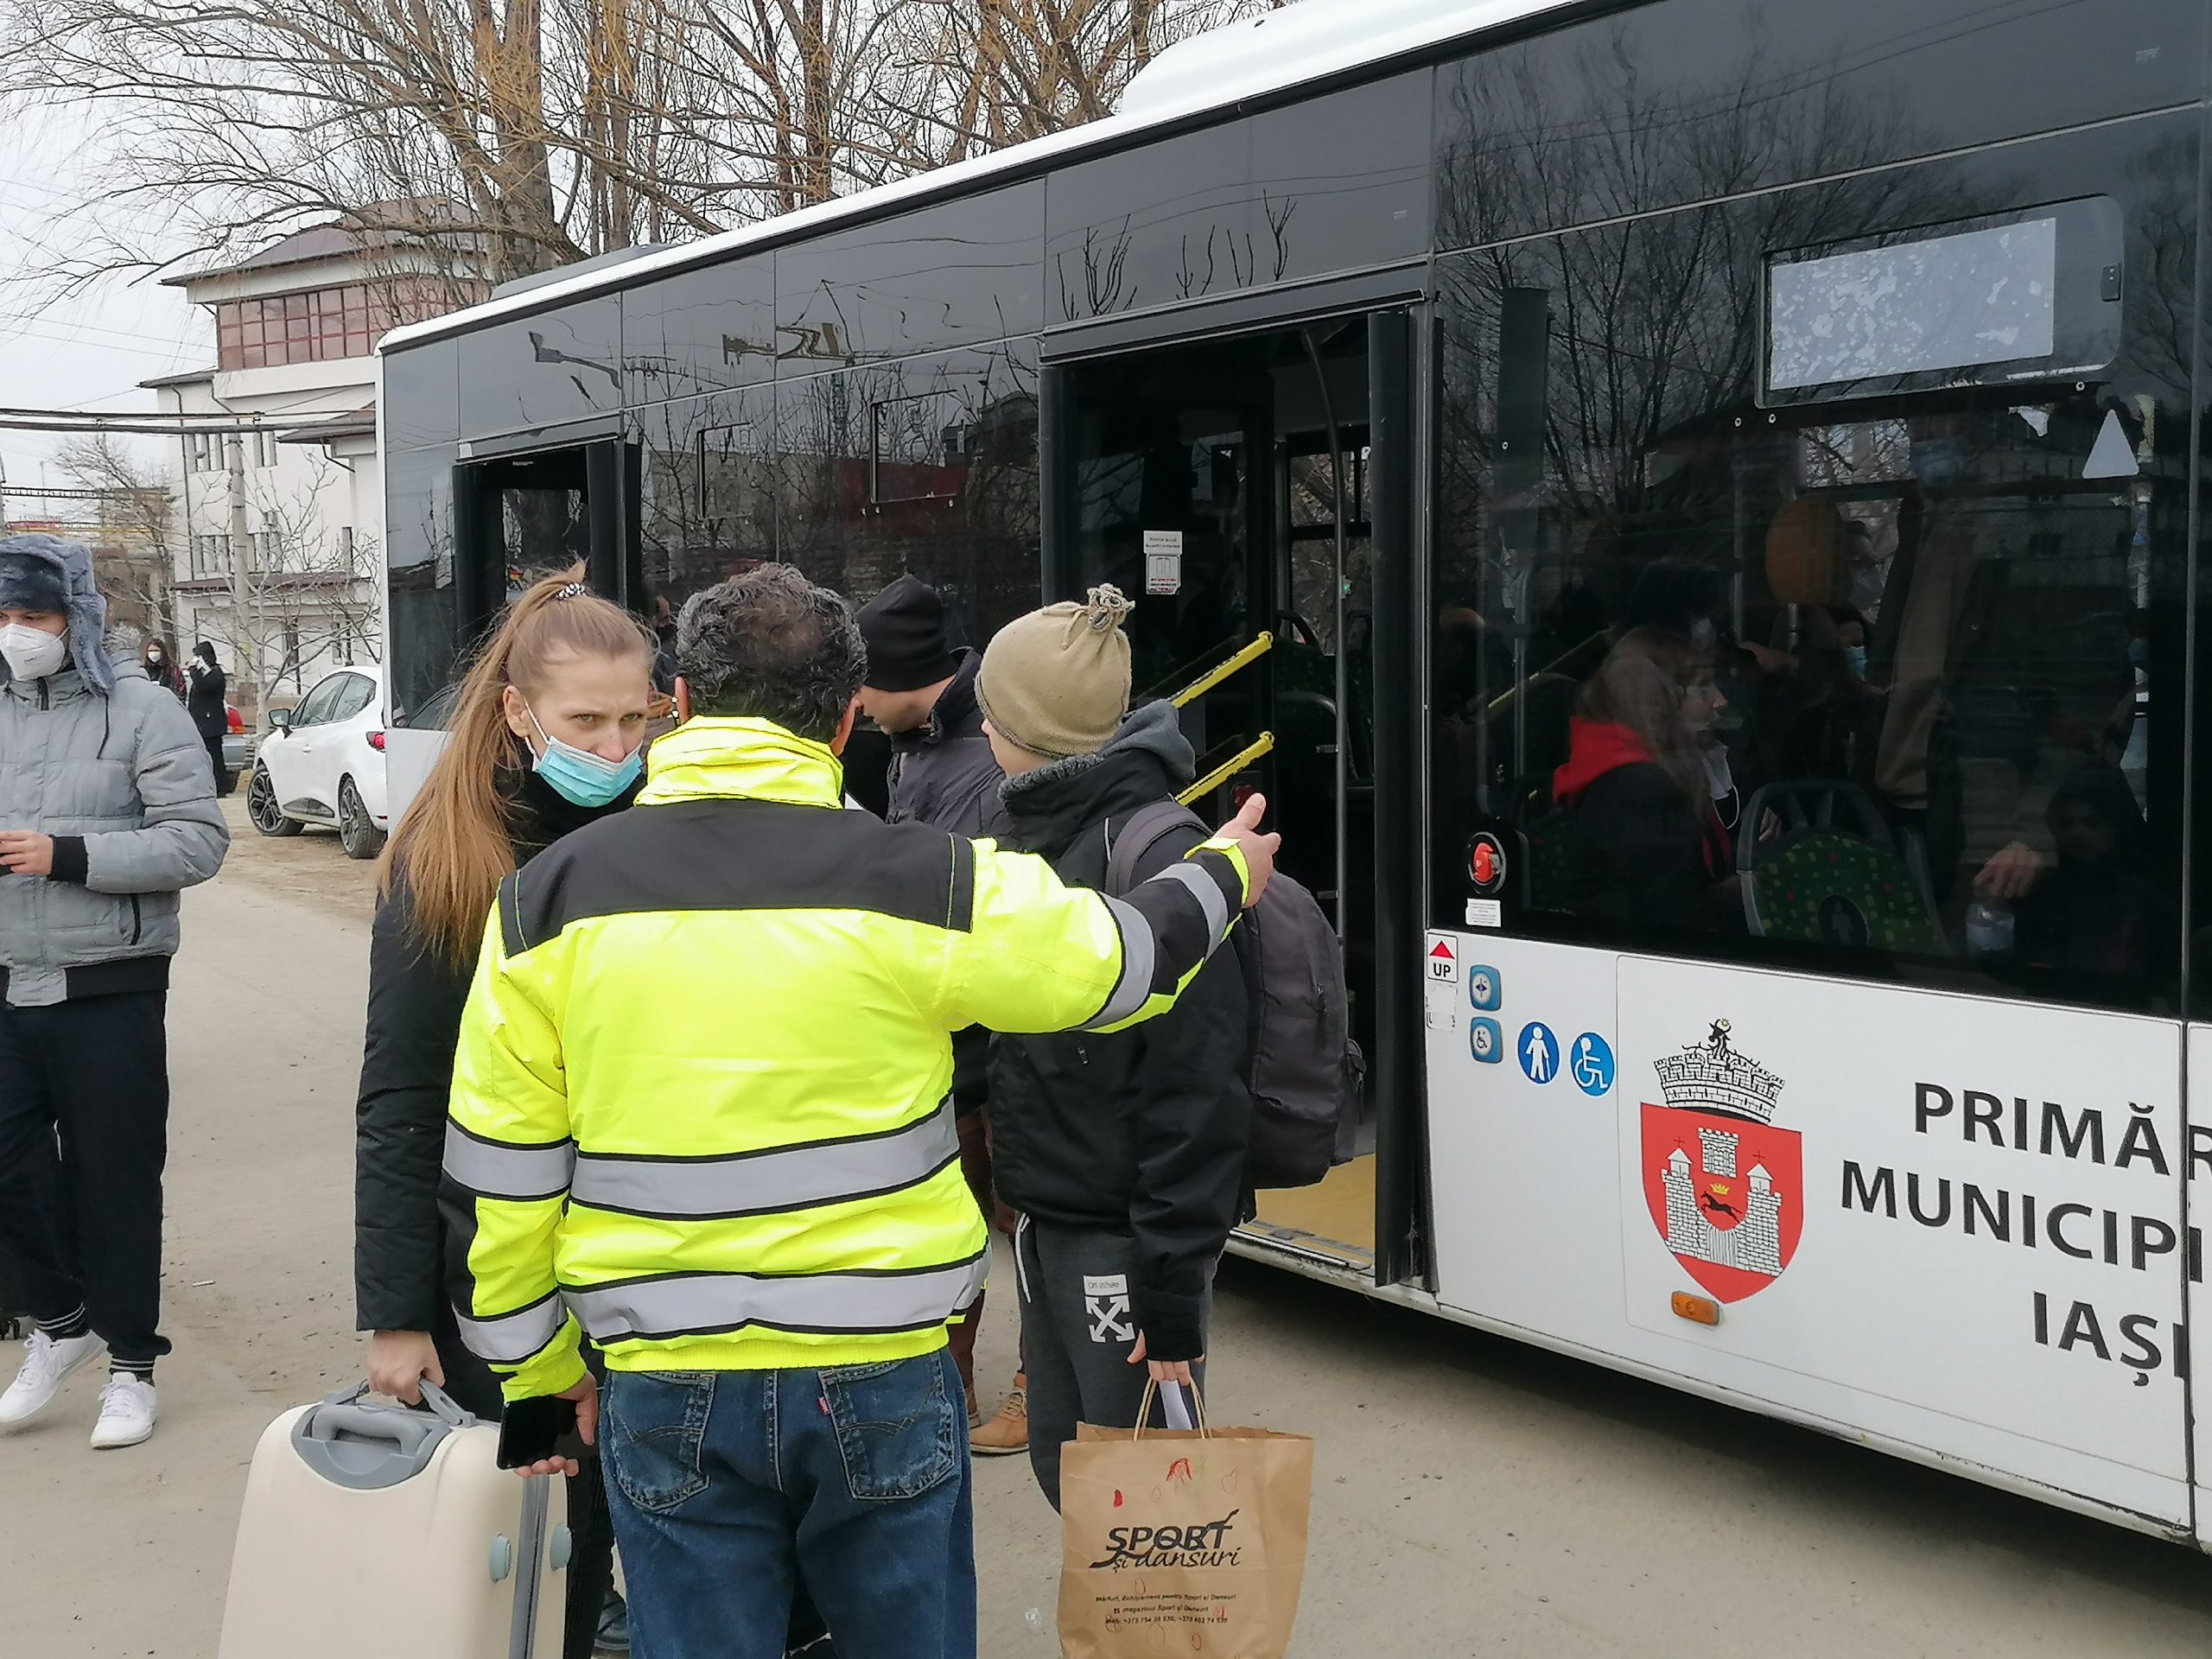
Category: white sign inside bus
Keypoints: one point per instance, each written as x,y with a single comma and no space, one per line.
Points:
1952,301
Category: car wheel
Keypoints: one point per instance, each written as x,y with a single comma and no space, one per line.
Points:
357,831
261,806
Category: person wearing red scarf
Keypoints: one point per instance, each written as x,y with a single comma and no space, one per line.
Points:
1647,852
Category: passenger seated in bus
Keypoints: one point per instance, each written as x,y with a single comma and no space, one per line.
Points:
2089,907
1646,849
1689,598
1822,720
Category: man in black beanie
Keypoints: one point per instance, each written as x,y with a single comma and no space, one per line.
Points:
921,692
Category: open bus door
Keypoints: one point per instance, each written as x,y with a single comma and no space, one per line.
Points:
518,515
1254,496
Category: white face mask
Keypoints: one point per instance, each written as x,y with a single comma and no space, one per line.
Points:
31,652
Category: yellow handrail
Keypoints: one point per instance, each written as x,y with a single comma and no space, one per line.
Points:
1214,677
1235,764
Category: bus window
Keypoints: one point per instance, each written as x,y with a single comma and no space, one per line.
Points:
708,505
1862,684
926,466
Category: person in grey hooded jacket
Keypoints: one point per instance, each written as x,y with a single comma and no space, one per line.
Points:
107,810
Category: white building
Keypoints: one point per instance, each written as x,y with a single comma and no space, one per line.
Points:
296,328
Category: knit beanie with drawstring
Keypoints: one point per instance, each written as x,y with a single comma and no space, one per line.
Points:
1056,682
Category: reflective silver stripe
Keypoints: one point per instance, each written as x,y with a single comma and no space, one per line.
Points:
701,1303
513,1337
1209,895
1134,987
794,1178
498,1172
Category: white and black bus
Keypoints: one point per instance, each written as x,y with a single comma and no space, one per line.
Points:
1695,503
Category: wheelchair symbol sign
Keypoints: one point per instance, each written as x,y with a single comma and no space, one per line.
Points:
1538,1052
1592,1064
1485,1041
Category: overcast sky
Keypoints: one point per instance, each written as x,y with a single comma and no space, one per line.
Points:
90,353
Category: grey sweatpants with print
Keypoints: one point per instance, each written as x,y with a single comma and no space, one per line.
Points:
1076,1332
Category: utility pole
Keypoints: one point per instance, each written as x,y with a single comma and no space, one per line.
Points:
248,650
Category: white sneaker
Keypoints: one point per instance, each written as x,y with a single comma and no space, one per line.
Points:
126,1412
47,1364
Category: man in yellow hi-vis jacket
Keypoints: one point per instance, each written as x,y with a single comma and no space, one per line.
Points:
701,1106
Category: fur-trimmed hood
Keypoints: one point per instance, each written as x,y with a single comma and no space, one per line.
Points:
87,610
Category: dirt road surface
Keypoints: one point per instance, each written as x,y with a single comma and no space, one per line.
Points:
1472,1497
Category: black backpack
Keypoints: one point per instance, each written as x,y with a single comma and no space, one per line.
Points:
1306,1073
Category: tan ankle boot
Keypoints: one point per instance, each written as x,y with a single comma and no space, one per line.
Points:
1008,1432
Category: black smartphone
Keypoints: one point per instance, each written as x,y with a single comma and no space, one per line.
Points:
530,1431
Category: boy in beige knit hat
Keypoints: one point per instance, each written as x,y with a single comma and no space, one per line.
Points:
1122,1156
1055,682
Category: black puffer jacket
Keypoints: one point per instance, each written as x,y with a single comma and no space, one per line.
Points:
415,997
943,772
945,775
1144,1132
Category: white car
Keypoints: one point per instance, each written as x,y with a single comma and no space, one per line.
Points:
322,762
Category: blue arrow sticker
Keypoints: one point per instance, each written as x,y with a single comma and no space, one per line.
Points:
1484,989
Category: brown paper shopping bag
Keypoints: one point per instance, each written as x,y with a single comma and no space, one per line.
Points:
1182,1542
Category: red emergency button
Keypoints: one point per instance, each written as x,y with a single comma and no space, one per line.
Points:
1486,863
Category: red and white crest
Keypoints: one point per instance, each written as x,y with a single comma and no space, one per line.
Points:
1726,1187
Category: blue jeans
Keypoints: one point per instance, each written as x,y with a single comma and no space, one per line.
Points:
726,1484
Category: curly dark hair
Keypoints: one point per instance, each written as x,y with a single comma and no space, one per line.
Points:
771,645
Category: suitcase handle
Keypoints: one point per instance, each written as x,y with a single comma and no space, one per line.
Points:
366,1446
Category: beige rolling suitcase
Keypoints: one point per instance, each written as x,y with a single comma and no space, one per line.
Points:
371,1530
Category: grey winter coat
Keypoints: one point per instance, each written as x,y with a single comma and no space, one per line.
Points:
943,774
120,779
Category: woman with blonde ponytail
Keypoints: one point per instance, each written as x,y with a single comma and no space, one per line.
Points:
546,738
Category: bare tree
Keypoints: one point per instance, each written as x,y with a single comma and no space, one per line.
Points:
133,549
310,591
517,136
977,75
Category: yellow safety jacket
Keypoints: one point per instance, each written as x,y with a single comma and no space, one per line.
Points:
701,1101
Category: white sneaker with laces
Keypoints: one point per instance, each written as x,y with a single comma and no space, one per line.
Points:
126,1412
47,1364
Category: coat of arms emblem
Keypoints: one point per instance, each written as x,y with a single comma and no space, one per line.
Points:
1724,1186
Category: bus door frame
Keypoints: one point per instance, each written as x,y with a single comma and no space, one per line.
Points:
1403,389
613,507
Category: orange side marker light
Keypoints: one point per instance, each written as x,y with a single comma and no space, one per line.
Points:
1703,1310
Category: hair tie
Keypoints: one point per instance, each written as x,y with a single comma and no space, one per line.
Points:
573,590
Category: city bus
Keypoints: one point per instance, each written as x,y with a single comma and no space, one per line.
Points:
1688,511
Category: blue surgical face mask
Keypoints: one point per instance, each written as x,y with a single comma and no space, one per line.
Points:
578,775
1856,656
